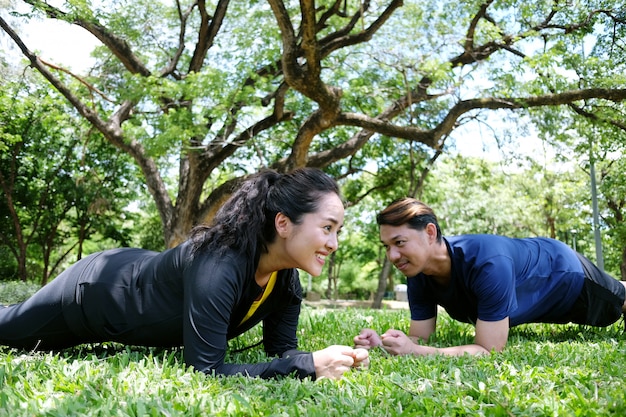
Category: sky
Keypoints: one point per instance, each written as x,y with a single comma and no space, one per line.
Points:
56,41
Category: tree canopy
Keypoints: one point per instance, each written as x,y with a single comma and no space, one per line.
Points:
202,93
60,183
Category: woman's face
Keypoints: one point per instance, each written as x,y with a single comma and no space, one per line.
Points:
309,243
407,248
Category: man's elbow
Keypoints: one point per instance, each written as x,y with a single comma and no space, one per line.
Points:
492,347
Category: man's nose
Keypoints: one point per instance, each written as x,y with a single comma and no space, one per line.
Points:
393,254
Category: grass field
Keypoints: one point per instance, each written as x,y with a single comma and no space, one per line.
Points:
546,370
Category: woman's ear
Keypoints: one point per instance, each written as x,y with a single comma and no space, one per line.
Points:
282,224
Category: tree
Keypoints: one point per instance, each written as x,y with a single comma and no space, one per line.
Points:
613,184
315,83
599,136
59,185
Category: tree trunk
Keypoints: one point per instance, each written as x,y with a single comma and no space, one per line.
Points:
623,265
383,278
331,290
20,251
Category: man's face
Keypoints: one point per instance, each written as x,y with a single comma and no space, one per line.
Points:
408,249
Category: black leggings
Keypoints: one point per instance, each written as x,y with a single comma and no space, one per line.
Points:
39,322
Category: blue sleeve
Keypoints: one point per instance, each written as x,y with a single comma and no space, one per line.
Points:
421,305
493,283
212,288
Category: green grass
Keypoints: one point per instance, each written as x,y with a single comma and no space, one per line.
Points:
546,370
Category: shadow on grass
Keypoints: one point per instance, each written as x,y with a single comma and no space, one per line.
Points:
566,332
103,351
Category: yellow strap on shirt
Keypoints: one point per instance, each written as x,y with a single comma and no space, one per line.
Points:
255,304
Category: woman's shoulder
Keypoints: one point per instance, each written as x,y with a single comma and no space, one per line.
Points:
226,255
220,260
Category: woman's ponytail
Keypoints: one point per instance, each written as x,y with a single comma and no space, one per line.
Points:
240,220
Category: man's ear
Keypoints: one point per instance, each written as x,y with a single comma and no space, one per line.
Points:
282,224
431,231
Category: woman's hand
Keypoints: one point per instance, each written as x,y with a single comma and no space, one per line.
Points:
361,358
367,339
336,360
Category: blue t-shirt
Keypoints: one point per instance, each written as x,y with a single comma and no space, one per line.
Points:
492,277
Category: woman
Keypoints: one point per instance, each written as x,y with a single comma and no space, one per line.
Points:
493,282
225,279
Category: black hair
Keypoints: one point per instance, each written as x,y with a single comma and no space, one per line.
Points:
414,213
245,222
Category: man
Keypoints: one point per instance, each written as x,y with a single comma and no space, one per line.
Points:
493,282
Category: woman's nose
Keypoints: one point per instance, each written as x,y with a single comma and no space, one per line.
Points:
333,242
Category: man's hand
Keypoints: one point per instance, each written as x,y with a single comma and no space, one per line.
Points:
367,339
397,343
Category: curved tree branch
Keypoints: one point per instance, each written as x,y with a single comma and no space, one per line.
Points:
207,32
433,137
183,18
342,38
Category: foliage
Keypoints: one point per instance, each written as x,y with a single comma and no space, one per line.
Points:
477,196
61,185
546,370
16,292
603,142
195,89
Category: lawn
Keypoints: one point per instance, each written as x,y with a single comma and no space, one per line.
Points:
546,370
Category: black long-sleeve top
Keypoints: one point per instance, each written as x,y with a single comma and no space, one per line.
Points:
146,298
